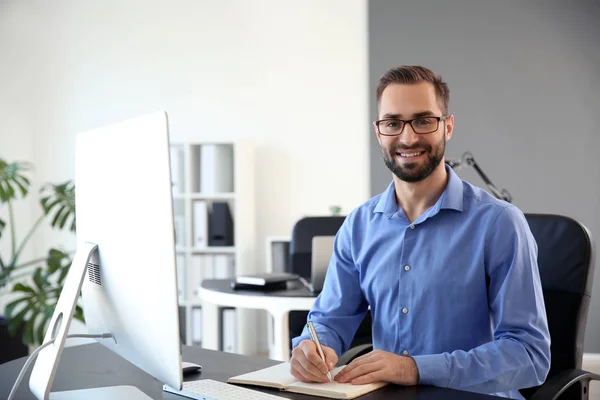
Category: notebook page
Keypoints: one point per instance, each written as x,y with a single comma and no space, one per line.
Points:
277,376
334,390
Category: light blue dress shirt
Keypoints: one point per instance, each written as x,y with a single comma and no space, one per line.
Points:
458,290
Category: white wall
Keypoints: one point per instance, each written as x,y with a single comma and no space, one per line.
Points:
16,139
290,76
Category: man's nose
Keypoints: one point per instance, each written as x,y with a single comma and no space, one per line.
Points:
408,136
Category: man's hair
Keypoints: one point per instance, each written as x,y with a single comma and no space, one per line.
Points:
410,74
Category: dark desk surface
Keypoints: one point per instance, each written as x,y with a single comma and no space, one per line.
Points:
294,289
93,365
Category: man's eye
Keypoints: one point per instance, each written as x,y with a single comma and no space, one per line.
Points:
423,121
391,124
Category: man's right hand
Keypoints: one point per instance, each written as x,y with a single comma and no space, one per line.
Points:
306,363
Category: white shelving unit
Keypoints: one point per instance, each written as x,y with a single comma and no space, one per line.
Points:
212,173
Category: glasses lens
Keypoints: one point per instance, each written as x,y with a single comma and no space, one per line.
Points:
390,127
425,125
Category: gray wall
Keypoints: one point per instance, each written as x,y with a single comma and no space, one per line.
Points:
524,81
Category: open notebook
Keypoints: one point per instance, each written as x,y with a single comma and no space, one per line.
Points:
279,376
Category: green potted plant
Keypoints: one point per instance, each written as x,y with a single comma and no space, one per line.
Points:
34,285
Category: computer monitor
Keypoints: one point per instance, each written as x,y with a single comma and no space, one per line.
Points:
125,258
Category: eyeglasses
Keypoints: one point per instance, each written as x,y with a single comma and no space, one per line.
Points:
421,125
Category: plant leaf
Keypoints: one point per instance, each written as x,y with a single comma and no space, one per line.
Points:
64,219
20,287
3,194
39,279
10,190
41,329
13,173
60,200
10,307
23,186
57,216
28,330
64,272
15,322
56,260
79,314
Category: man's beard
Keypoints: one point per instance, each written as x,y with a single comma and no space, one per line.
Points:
412,172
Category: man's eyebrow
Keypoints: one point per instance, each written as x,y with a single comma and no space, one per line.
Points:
426,113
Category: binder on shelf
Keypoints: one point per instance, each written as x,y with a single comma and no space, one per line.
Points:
220,225
280,255
180,262
179,222
229,331
216,168
200,224
177,182
200,269
223,266
196,326
182,324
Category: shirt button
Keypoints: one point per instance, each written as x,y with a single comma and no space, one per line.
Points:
405,352
412,226
405,310
407,267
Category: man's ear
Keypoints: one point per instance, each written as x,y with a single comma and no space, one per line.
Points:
377,135
449,126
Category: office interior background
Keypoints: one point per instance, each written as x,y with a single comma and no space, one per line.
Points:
297,79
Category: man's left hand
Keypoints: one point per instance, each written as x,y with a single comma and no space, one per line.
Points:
380,366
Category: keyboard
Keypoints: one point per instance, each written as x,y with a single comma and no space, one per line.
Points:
208,389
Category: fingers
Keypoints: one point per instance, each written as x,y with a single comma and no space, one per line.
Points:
369,357
306,364
358,371
315,360
301,373
331,357
368,378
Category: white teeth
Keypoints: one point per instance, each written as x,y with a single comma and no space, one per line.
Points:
409,154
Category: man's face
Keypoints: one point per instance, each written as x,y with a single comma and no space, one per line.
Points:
413,157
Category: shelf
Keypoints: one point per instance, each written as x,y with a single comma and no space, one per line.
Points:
191,303
213,250
204,196
231,182
212,196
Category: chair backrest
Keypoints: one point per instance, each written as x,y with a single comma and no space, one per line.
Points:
301,240
566,264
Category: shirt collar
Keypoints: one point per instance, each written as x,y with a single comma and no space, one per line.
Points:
451,198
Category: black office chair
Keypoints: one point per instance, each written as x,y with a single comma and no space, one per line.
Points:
300,263
566,263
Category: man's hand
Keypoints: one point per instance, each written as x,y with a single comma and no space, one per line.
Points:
380,366
306,364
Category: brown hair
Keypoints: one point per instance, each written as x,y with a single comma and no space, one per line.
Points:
409,74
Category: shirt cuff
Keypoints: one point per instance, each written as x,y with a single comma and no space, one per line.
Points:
433,370
325,338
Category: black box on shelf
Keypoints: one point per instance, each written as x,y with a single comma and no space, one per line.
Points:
220,225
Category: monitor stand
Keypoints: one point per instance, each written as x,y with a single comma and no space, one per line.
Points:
44,369
103,393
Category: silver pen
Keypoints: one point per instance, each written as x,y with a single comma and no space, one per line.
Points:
313,336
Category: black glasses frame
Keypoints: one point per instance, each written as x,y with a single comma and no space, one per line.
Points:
408,121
